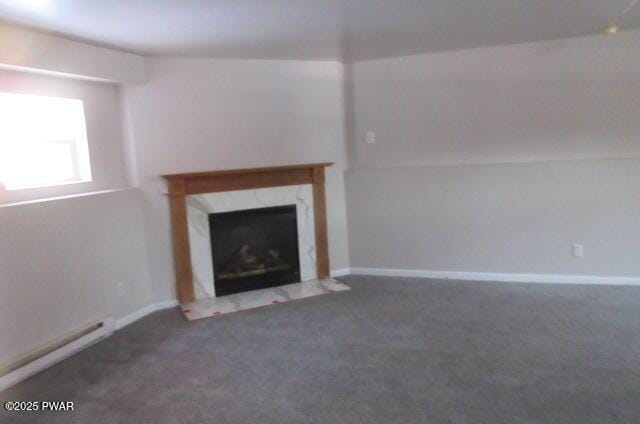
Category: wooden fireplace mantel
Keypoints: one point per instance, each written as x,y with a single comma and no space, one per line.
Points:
182,185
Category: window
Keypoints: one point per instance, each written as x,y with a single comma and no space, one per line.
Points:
43,141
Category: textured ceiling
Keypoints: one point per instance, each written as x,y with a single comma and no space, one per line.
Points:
315,29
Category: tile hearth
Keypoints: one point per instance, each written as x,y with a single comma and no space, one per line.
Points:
216,306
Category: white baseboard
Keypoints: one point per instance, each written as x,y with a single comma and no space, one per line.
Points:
500,277
340,272
109,327
141,313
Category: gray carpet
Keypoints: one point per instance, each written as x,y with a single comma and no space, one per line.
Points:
391,350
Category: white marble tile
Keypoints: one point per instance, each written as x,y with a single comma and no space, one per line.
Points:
200,246
211,307
201,205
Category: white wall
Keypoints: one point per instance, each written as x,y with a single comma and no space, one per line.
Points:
205,114
491,160
38,52
60,262
505,119
506,218
192,114
104,130
556,100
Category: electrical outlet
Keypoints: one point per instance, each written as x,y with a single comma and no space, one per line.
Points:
578,250
122,289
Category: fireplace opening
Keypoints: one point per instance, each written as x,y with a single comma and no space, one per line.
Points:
254,249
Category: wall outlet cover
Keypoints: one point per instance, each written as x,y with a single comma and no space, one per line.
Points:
578,250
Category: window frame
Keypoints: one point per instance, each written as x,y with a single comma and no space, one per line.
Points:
78,147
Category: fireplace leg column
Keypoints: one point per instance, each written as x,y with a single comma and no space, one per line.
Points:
320,216
181,249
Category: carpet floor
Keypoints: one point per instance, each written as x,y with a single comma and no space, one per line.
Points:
391,350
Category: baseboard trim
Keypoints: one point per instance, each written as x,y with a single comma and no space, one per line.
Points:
143,312
110,326
500,277
340,272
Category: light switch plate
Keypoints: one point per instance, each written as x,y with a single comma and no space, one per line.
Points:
371,137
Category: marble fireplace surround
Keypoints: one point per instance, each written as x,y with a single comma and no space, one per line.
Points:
199,206
191,194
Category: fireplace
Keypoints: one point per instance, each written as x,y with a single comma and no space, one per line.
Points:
254,249
238,230
194,196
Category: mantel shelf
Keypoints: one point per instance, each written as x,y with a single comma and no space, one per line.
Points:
240,171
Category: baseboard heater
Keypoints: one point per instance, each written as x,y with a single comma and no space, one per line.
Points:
27,365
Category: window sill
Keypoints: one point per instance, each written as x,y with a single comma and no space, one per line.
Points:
57,198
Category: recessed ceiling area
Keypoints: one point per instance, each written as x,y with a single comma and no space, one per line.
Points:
347,30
